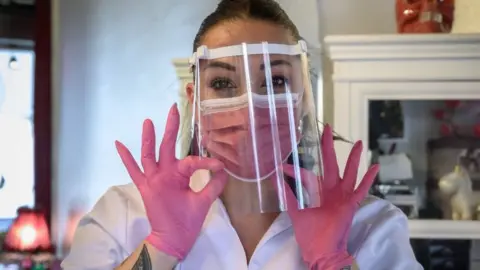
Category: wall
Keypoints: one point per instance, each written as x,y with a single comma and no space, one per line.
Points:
351,17
111,73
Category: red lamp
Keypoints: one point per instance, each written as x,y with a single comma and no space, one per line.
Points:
27,242
28,233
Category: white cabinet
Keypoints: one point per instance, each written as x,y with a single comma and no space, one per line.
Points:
435,80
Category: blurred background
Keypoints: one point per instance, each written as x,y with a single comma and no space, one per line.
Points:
76,75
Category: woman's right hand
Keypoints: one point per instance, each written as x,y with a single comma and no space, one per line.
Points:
175,212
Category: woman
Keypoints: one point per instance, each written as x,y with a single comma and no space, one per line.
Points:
159,223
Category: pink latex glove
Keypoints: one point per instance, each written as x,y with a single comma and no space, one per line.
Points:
175,212
322,232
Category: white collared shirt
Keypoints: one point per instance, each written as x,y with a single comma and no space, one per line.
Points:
105,237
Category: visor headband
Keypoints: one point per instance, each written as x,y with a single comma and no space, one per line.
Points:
237,50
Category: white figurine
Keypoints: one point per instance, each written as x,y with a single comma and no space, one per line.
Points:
457,187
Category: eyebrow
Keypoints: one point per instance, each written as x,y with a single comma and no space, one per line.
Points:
229,67
219,64
278,62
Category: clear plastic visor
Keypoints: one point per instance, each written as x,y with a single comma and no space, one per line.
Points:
254,111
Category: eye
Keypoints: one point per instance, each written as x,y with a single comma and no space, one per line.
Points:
279,81
222,84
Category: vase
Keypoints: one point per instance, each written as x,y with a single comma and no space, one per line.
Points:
424,16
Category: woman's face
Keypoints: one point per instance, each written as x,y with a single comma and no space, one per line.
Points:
233,136
225,77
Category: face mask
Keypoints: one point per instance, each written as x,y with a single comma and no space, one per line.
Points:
251,147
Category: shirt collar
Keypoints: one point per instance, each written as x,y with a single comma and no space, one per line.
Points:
218,213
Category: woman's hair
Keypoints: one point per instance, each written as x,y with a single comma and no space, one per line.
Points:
262,10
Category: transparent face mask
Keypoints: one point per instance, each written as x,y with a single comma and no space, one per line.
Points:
254,111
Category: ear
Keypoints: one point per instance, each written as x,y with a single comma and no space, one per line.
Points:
190,90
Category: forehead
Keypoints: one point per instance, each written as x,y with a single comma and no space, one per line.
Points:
248,31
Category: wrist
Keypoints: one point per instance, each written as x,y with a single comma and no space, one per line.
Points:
334,261
347,267
157,242
168,260
161,258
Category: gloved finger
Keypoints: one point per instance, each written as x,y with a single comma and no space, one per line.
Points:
329,158
284,191
292,203
190,164
367,181
148,158
167,147
311,184
351,168
214,187
130,164
306,177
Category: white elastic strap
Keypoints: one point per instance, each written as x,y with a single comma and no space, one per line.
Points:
259,101
237,50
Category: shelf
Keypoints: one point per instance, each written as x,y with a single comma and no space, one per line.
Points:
444,229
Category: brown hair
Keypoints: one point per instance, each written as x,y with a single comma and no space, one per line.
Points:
228,10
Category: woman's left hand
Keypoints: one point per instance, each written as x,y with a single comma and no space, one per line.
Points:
322,232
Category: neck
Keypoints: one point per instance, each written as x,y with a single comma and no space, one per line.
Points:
250,206
245,198
243,205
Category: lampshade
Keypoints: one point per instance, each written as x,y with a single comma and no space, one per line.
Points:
28,233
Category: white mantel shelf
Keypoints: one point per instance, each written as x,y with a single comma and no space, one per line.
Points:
413,53
367,47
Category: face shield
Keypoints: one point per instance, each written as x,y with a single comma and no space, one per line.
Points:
253,110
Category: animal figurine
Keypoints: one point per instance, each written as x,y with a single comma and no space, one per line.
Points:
456,186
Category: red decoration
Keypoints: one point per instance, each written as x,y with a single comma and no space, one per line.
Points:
459,118
476,130
446,130
452,104
424,16
439,114
28,233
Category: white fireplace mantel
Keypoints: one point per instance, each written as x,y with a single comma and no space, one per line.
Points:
403,67
182,69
